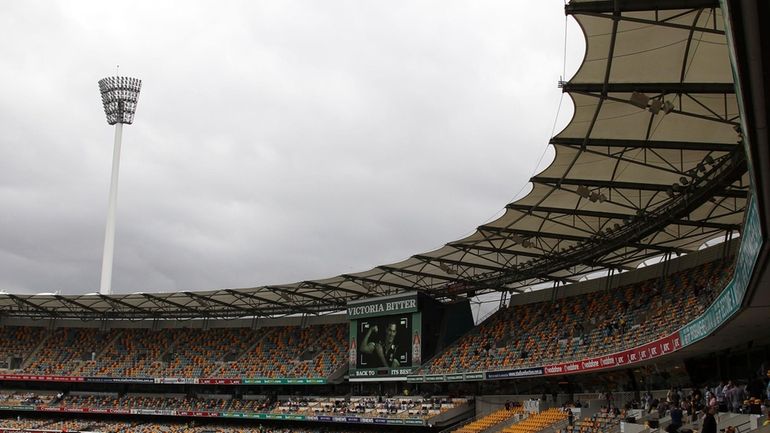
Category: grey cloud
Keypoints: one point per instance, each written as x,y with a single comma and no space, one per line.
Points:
274,141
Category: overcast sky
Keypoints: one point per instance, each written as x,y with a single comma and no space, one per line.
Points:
274,141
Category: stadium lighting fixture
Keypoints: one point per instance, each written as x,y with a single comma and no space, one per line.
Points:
639,99
119,97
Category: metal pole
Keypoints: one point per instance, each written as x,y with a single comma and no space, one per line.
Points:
105,287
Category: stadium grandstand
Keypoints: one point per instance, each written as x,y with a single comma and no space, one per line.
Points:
631,283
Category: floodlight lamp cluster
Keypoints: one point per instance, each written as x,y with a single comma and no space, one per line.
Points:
119,96
593,196
695,174
654,105
524,242
447,269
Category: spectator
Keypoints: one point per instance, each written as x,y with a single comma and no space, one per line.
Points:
676,418
709,423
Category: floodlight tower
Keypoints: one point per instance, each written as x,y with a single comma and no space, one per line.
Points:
119,96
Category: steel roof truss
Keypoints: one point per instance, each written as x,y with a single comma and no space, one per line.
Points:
600,6
610,215
607,97
466,265
159,301
661,23
359,280
210,299
329,300
21,301
288,308
420,274
115,301
66,300
643,144
328,287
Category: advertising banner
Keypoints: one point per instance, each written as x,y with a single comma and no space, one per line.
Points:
651,350
219,381
21,407
729,301
41,378
280,381
520,372
197,413
385,306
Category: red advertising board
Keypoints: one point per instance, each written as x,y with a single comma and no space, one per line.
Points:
651,350
42,378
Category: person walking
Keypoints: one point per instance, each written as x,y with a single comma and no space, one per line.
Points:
709,424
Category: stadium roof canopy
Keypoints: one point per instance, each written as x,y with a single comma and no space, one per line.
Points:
651,164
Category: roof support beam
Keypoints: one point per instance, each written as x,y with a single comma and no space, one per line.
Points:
429,259
533,234
355,278
609,215
477,247
296,292
653,22
600,6
289,308
79,305
643,144
420,274
112,300
21,301
204,299
330,287
156,299
555,181
654,88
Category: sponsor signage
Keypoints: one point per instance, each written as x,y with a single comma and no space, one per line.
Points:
729,301
383,307
207,414
167,380
373,372
651,350
465,377
219,381
415,379
39,378
177,380
120,379
474,376
82,410
196,413
412,421
23,407
277,381
520,372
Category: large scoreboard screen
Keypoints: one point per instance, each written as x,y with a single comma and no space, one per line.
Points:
385,337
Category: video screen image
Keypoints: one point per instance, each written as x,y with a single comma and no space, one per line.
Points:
384,342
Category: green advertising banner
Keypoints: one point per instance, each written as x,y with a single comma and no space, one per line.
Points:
17,407
283,381
729,301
